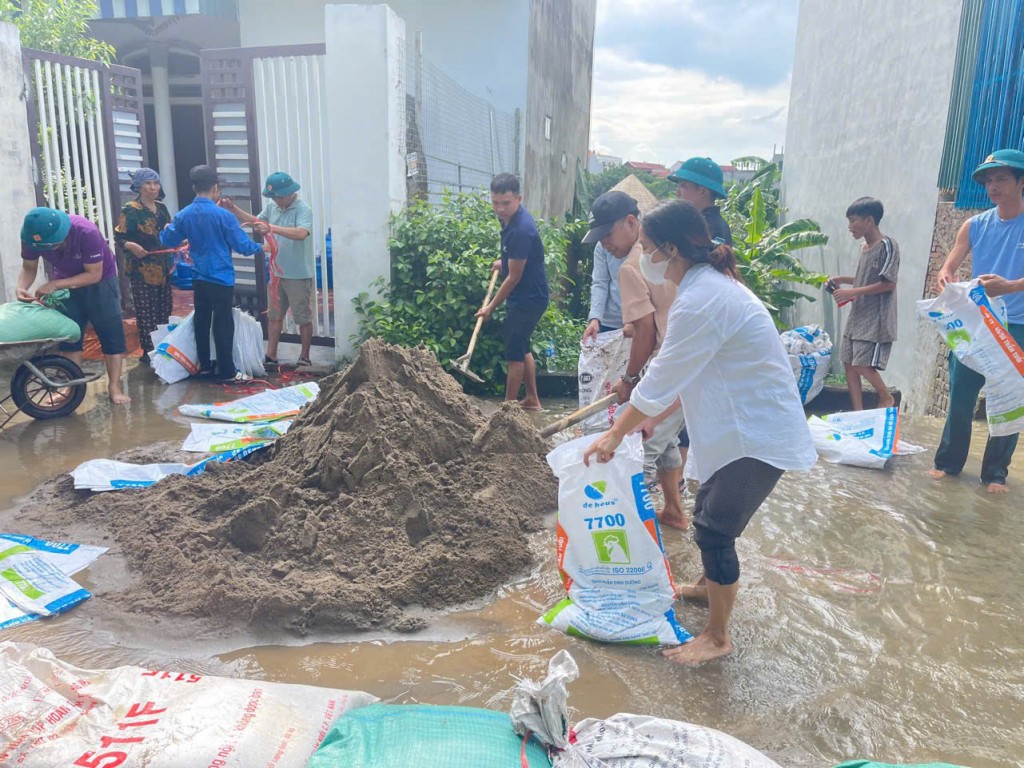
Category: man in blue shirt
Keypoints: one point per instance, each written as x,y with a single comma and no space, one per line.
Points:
995,240
524,287
605,300
212,235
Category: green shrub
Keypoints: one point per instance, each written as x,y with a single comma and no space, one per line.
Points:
441,256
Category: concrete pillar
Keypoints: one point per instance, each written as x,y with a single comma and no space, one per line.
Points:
164,130
17,192
364,65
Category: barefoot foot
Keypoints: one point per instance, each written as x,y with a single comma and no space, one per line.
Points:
698,651
677,521
937,474
119,398
696,592
997,488
531,405
886,401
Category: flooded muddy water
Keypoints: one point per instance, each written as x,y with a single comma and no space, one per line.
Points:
879,614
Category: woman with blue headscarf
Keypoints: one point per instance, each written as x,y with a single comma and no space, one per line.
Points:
138,234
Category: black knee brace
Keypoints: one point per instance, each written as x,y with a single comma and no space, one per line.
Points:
718,554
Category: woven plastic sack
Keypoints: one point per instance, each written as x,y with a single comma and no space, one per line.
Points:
974,327
610,556
21,321
810,354
602,362
425,736
860,438
56,714
176,357
623,740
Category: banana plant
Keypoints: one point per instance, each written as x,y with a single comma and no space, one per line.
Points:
766,259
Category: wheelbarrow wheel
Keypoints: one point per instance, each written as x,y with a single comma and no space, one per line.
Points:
38,400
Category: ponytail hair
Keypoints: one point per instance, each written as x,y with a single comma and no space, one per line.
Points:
682,225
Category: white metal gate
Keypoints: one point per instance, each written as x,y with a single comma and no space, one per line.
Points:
266,111
291,122
87,129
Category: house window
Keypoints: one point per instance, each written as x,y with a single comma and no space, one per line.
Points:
547,127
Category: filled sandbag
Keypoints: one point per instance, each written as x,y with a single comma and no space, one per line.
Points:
809,349
623,740
22,321
610,556
425,736
129,717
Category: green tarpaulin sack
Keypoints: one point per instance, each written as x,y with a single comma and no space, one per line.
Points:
20,321
403,735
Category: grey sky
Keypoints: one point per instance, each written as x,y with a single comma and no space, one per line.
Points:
675,78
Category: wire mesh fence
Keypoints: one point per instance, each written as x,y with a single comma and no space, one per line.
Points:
454,139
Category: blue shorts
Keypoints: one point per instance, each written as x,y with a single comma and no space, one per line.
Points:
520,323
100,305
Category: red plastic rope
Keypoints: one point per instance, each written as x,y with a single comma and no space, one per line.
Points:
522,752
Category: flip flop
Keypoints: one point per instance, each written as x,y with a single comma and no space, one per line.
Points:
535,408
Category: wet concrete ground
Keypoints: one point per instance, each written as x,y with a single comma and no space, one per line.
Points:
879,614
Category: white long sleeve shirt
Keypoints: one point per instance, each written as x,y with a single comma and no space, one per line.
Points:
722,355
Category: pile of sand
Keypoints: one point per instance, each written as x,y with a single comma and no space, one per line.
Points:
391,490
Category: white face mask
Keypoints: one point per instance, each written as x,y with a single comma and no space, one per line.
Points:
654,272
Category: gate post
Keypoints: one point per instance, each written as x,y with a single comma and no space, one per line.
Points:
17,193
364,66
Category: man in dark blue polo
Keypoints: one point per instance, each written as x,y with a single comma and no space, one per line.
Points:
524,288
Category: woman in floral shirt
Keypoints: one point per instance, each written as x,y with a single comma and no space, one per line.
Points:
138,233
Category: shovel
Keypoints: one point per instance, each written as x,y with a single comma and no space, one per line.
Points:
461,364
580,415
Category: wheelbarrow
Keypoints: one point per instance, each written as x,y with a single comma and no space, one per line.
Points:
45,386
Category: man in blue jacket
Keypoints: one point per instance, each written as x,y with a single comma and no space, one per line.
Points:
212,234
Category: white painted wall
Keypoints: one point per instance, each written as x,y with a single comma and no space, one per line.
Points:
367,168
481,44
17,193
867,116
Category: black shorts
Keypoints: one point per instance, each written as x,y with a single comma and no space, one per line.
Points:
731,496
520,323
100,305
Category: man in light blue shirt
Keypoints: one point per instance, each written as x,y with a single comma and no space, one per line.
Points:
290,220
995,240
605,299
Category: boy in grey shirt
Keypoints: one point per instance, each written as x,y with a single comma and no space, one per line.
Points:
871,327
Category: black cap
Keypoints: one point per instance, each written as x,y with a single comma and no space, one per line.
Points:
606,210
203,176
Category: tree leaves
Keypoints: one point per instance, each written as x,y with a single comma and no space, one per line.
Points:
58,26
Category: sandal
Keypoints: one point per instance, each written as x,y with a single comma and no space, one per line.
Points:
270,363
303,362
238,378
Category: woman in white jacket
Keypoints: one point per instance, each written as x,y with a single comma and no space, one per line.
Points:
723,360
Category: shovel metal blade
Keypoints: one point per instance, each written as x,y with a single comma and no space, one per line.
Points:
464,370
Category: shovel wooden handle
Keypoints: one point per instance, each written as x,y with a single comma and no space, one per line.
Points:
480,320
580,415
